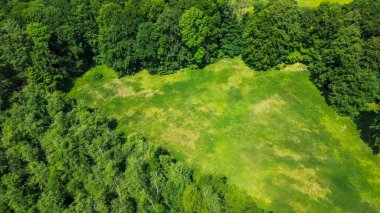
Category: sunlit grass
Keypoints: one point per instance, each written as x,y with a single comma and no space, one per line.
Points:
316,3
270,133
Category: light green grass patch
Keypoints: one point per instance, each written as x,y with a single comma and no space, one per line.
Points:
316,3
270,133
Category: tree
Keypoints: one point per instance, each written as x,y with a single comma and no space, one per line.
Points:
171,53
147,45
151,9
272,34
43,70
344,50
84,19
117,31
231,41
14,47
347,48
370,16
195,30
351,90
371,58
14,58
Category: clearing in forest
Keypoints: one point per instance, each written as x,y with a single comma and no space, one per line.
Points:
270,133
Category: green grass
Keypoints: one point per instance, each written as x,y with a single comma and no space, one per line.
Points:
316,3
270,133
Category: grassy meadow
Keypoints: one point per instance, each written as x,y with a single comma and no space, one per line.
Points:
270,133
316,3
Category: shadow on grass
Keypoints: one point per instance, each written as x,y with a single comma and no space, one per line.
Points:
363,124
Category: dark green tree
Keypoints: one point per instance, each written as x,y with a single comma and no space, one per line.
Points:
370,16
14,58
43,70
351,90
147,45
371,59
171,53
272,34
117,31
231,37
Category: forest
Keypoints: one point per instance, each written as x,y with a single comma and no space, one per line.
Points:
61,155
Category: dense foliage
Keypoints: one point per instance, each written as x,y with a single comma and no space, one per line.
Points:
272,35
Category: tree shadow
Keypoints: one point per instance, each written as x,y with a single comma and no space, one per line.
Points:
363,124
112,124
66,85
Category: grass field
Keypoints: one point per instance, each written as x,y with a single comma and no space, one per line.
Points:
316,3
270,133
